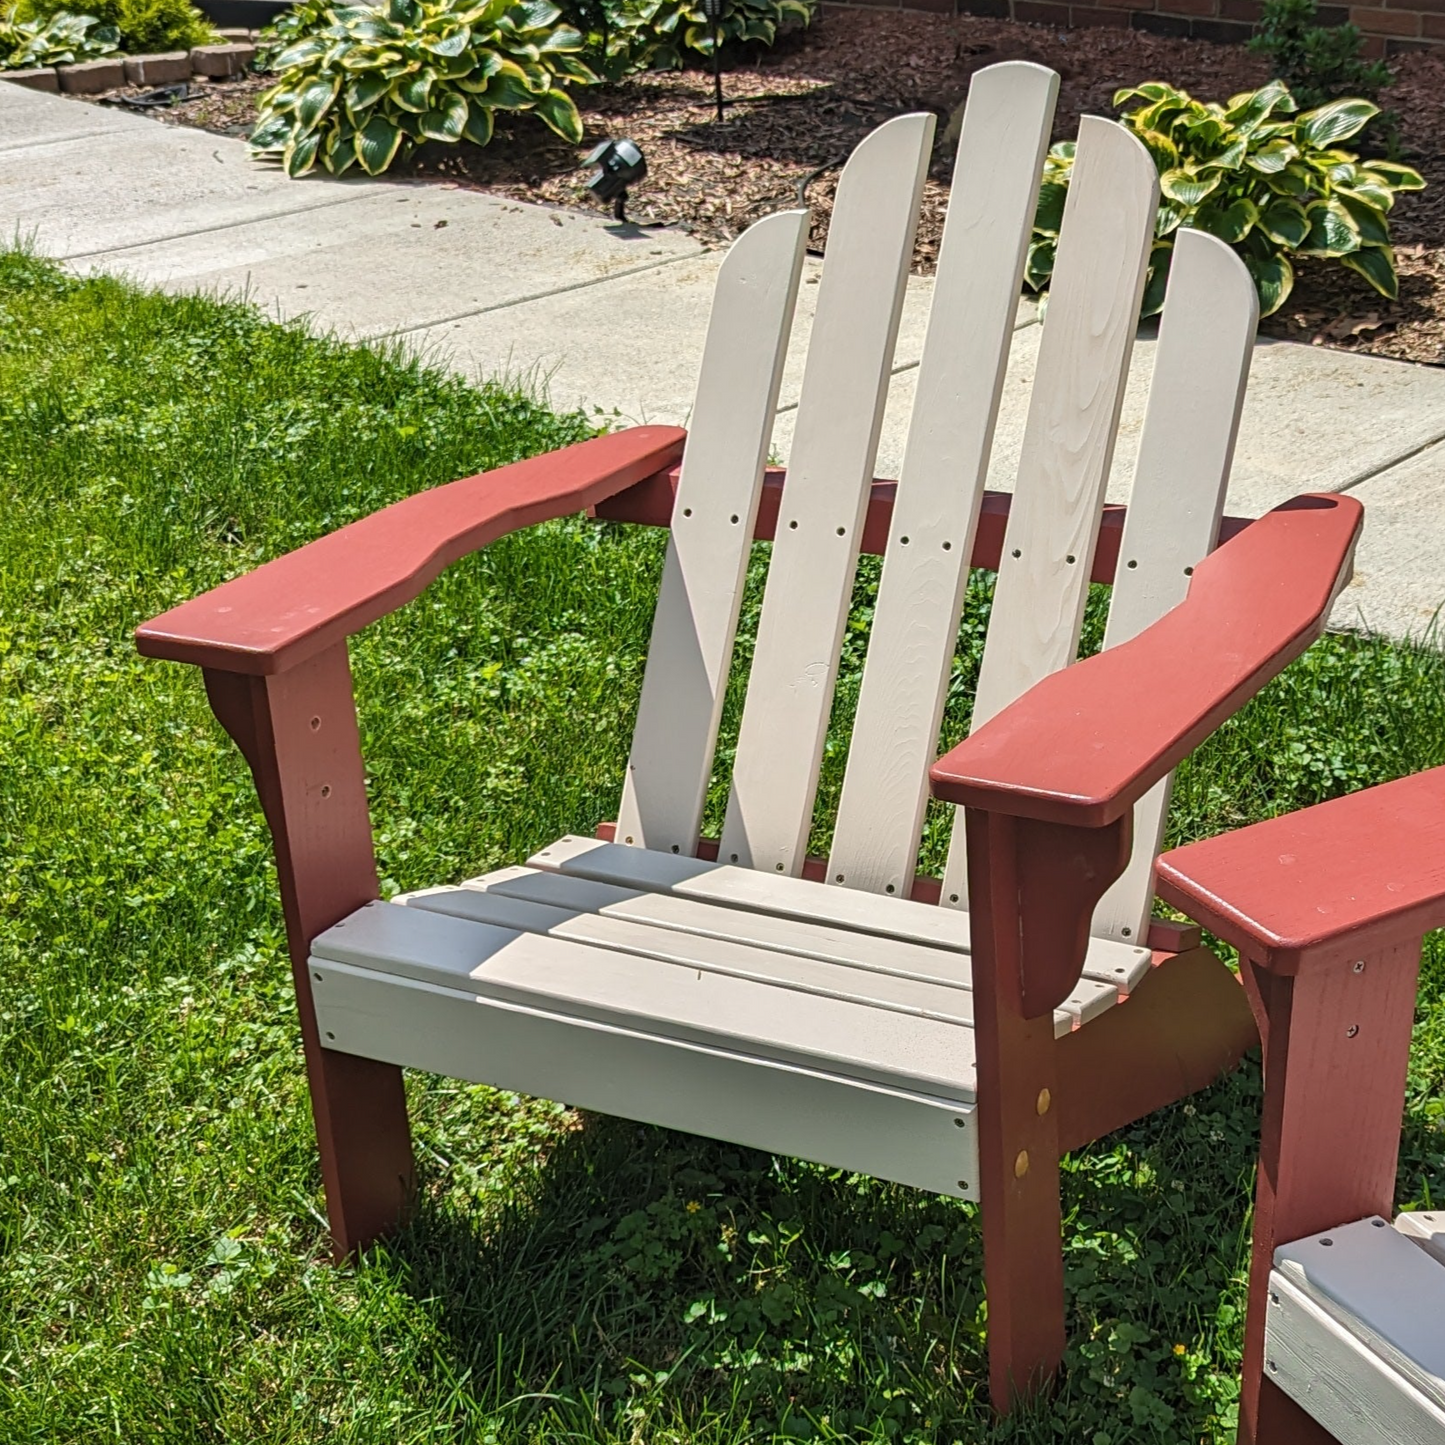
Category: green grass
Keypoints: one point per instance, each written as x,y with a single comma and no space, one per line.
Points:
163,1274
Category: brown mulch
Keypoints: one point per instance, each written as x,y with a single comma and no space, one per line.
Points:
794,113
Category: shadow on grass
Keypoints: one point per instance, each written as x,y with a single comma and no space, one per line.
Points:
642,1275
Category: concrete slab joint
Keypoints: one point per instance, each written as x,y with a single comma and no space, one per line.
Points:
89,77
219,62
165,68
41,78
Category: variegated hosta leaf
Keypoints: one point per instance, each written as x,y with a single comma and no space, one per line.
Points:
1338,120
1157,280
312,102
1284,222
1331,233
1187,188
1272,157
300,155
559,111
1049,215
411,92
1230,223
1377,265
377,143
1273,279
447,122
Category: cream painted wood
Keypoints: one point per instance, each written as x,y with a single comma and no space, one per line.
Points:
835,443
695,1005
914,1139
929,983
1006,125
1425,1229
1068,442
752,894
712,528
1196,394
1376,1284
1338,1380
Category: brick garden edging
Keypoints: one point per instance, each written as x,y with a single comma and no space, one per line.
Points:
232,57
1389,27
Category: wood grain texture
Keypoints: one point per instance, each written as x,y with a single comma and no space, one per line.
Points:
760,1103
1354,1396
835,443
296,606
1073,417
1329,884
1196,394
714,516
1375,1283
299,735
950,437
1068,750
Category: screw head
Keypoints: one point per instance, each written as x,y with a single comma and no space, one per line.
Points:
1043,1102
1021,1164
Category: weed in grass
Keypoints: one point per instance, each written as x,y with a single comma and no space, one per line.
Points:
163,1275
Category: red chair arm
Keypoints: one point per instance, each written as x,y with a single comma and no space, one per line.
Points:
296,606
1349,877
1080,747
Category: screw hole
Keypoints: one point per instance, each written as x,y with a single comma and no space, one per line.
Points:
953,897
780,867
842,531
1070,559
676,849
838,878
903,541
1273,1298
315,724
960,1123
1327,1242
330,1035
1133,564
1352,1031
1189,571
1378,1223
1359,965
734,519
1273,1368
627,839
1018,552
732,857
1127,932
963,1183
948,546
793,526
317,977
890,889
326,790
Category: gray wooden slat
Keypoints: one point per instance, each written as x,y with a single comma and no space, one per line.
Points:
1427,1229
960,378
835,443
1068,442
712,528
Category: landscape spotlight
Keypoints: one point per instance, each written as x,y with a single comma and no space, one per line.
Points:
619,165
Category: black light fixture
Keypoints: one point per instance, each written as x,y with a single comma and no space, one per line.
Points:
713,9
619,164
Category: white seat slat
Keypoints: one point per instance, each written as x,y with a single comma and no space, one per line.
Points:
835,443
1388,1304
1068,442
1196,394
754,895
711,535
844,1123
643,995
1426,1229
914,633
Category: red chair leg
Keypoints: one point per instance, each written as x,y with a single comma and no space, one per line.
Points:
1336,1047
298,732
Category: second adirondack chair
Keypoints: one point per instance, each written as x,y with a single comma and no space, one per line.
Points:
957,1036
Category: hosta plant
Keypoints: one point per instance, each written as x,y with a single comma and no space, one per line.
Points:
677,31
1269,181
366,85
139,25
59,39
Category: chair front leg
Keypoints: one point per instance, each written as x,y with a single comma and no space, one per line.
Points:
298,732
1032,891
1336,1048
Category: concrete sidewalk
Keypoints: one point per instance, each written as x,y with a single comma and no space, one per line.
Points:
611,318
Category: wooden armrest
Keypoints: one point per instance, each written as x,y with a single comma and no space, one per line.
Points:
1080,747
296,606
1342,879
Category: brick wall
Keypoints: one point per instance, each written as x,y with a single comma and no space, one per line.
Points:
1389,27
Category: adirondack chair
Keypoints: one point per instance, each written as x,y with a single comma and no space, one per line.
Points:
1345,1337
955,1036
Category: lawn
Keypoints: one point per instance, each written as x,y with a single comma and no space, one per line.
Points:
163,1266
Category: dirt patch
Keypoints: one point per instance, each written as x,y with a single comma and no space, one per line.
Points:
794,113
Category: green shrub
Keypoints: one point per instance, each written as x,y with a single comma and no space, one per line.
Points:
1252,172
140,25
366,86
59,39
1319,63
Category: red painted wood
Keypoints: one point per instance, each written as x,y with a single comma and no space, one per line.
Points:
1337,1046
298,605
1081,746
1187,1023
650,503
298,733
1018,1137
1332,882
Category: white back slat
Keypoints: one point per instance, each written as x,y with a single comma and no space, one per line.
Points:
835,442
712,529
960,378
1068,442
1206,340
